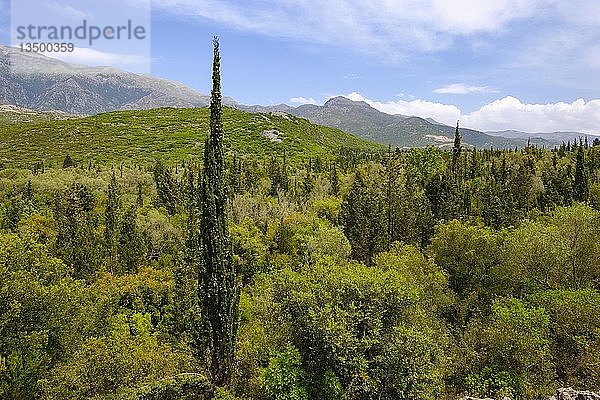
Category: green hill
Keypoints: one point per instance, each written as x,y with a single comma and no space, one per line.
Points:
169,134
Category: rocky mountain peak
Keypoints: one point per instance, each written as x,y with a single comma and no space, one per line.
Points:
341,101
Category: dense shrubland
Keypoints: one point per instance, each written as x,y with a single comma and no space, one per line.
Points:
408,274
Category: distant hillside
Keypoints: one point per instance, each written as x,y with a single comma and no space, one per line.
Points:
359,118
555,137
169,134
17,115
33,81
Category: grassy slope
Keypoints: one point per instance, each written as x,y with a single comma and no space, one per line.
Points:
168,134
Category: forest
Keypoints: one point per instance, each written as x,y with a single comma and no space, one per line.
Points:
348,273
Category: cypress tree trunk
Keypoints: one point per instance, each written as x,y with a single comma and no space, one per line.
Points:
218,288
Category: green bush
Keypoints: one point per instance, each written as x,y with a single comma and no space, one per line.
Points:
282,379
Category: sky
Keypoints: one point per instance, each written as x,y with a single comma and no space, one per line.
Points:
530,65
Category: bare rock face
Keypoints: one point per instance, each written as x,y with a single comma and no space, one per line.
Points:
561,394
476,398
572,394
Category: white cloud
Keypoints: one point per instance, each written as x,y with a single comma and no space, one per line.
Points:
365,25
461,88
302,100
511,113
502,114
92,57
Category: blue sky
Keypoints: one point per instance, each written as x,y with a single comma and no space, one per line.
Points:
531,65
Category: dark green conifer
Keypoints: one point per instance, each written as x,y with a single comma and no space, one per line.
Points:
456,149
335,180
131,245
28,192
110,220
139,201
68,162
166,188
474,164
217,283
364,220
580,185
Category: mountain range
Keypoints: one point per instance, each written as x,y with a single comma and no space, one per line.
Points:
360,119
39,83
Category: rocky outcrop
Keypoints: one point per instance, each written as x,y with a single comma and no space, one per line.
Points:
476,398
572,394
561,394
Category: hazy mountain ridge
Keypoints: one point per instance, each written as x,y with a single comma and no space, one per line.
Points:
41,83
551,136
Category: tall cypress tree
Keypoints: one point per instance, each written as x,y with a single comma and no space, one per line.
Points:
456,149
217,282
335,181
580,185
364,220
111,221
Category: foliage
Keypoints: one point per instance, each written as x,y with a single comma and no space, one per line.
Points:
358,322
282,378
188,386
129,356
575,333
514,345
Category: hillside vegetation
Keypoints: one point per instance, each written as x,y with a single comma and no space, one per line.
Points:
168,134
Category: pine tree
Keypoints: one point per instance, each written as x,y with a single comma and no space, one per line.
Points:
110,221
456,149
77,243
217,282
308,184
364,220
335,180
131,245
166,188
68,162
139,201
580,185
474,164
28,192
